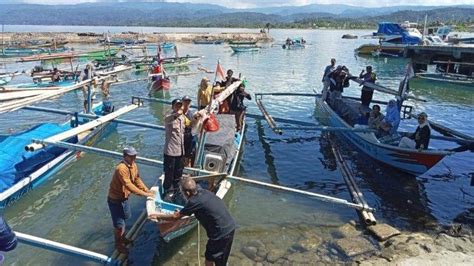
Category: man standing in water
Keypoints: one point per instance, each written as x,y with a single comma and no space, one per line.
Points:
125,181
211,212
173,164
326,82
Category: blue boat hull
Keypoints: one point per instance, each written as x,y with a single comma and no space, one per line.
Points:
57,164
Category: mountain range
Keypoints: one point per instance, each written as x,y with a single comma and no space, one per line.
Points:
207,15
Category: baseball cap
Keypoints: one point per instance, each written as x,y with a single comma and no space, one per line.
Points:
175,101
186,98
130,151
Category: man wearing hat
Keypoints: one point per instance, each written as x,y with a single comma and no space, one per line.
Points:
174,146
125,181
188,134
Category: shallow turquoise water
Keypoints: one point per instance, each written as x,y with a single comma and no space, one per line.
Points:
71,207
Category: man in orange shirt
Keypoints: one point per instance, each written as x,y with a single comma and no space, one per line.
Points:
125,181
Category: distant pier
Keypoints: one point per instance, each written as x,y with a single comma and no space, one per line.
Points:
92,37
447,56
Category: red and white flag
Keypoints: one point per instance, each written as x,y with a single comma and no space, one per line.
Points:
220,71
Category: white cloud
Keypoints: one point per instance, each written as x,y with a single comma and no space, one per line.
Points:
267,3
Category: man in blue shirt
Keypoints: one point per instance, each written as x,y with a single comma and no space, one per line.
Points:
214,217
326,82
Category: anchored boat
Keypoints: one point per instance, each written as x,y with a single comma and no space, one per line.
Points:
292,44
22,171
242,48
7,77
393,38
217,152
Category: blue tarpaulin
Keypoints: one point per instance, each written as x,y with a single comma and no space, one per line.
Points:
388,28
16,163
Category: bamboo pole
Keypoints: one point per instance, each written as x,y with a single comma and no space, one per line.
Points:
84,127
25,102
268,117
63,248
356,194
91,116
153,162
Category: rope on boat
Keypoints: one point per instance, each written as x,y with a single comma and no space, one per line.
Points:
199,244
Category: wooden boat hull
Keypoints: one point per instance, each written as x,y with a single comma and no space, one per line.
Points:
370,49
161,84
448,78
244,48
42,174
172,230
409,161
293,46
208,42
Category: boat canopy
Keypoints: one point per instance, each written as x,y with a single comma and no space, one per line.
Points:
16,163
389,28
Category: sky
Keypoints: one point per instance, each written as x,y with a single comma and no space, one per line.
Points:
267,3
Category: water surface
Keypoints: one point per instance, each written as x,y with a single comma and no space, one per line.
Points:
71,207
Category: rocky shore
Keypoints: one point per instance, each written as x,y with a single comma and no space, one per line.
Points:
349,244
353,245
74,37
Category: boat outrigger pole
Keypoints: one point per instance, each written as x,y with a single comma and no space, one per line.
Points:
84,127
153,162
64,249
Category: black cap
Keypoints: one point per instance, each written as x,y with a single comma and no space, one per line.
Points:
175,101
186,98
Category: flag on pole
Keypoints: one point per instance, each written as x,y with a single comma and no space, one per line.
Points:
220,71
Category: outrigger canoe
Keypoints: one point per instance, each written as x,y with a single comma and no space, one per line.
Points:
410,161
21,171
219,153
244,48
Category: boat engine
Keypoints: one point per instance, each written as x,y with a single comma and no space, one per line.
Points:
214,162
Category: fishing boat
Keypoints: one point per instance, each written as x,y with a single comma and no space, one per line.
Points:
393,38
452,78
206,41
242,48
219,152
158,83
169,63
120,42
22,171
167,45
243,42
345,112
35,44
292,44
459,73
5,78
102,54
25,90
19,52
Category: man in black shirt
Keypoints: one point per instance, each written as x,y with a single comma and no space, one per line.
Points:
214,217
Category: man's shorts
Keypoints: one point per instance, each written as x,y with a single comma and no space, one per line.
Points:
120,211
